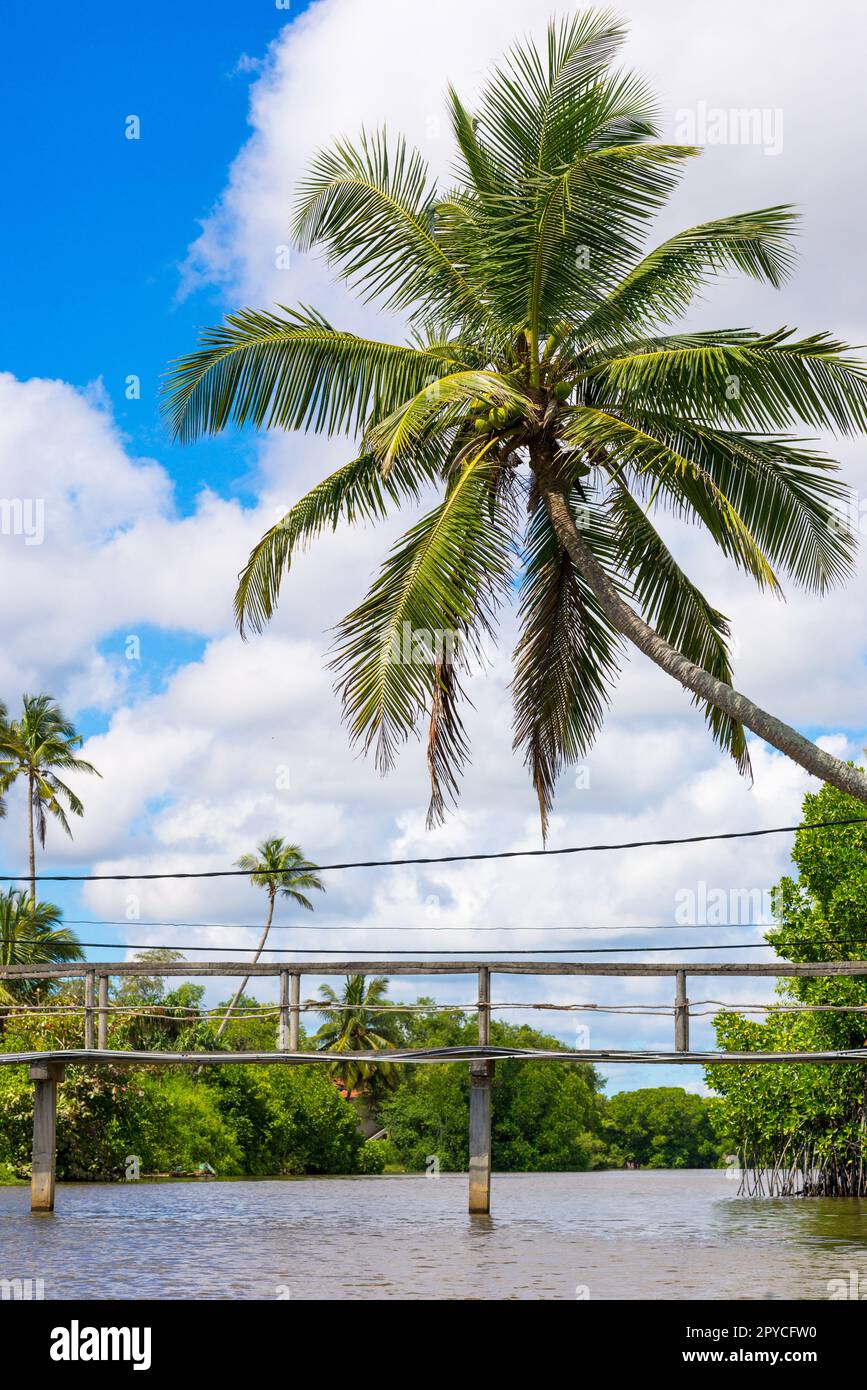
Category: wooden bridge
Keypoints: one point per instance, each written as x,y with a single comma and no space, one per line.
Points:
46,1068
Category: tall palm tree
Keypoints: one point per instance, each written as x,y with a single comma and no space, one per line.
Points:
36,747
282,871
548,394
356,1022
31,934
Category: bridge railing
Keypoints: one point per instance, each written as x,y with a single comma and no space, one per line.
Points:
46,1068
97,1010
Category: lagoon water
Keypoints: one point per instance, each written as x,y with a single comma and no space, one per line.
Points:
609,1235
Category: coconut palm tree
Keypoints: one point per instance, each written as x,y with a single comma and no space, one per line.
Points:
548,395
31,934
282,871
356,1022
36,747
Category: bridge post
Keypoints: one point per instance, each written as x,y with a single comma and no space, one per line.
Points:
102,1014
480,1138
681,1015
89,990
484,1003
295,1012
283,1027
481,1074
45,1076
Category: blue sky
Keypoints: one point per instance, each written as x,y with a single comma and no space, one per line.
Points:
101,222
188,739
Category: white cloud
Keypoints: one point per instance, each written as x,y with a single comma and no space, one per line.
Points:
113,552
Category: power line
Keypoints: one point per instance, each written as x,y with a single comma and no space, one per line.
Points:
441,859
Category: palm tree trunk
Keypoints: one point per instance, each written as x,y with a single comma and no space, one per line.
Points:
31,844
701,683
244,983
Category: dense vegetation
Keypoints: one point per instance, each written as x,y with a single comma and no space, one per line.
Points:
662,1127
546,1115
270,1120
804,1128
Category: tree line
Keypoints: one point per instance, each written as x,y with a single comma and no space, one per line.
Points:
802,1129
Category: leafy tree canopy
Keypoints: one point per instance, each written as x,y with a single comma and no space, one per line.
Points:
662,1127
808,1115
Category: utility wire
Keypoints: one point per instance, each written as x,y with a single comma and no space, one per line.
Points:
443,858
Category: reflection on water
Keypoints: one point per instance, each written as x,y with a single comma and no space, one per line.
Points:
618,1235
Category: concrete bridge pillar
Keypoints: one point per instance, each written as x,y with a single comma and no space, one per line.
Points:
45,1076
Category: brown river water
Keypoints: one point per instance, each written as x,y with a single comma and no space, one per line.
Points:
609,1235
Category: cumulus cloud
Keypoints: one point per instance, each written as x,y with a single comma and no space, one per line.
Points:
111,549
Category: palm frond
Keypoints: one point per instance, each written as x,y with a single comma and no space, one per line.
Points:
525,108
372,210
479,169
754,382
648,447
444,404
356,492
560,175
441,583
567,658
677,610
585,220
786,495
447,747
293,371
664,283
